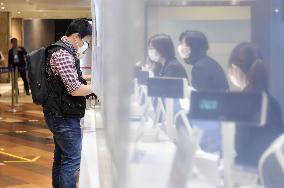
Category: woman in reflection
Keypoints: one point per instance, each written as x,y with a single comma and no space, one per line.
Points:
247,71
206,73
155,67
161,50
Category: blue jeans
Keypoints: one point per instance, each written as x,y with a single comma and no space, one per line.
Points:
67,152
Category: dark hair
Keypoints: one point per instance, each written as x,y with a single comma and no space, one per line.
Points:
164,45
81,26
198,43
248,58
13,39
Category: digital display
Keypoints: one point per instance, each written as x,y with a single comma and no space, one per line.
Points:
208,104
238,107
166,87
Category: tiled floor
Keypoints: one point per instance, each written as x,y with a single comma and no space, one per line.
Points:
26,151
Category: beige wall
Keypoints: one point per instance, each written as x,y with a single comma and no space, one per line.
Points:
4,38
17,30
225,26
9,28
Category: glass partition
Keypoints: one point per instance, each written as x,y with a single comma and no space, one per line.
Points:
145,77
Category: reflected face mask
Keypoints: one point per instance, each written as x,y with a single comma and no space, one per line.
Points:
81,50
153,55
184,52
235,80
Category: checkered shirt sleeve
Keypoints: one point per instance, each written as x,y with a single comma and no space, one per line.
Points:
63,64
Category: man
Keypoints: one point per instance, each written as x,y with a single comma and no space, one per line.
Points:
66,101
16,58
206,73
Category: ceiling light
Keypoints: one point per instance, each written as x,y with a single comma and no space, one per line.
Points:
1,4
235,2
29,2
2,8
19,12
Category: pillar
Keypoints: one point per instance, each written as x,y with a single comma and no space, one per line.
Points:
4,44
17,28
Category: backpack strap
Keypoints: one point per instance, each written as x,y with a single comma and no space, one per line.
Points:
61,45
55,47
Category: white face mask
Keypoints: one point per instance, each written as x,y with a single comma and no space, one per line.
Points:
184,52
153,55
235,76
81,50
235,81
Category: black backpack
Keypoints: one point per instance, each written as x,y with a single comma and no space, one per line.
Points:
36,67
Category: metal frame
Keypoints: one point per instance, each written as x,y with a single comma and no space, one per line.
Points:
179,3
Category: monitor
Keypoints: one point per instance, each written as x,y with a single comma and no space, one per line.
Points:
142,76
167,87
242,108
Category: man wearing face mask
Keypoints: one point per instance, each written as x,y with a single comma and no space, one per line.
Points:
206,73
66,101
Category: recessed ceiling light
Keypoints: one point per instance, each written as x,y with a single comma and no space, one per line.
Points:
3,8
19,12
1,4
29,2
235,2
276,10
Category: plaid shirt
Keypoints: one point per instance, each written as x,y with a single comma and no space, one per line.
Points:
63,65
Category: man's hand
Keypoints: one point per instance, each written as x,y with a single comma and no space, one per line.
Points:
92,96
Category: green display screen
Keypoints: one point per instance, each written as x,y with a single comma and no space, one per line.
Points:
208,104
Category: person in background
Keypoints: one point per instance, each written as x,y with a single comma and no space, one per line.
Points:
66,102
16,58
161,50
206,73
161,53
247,71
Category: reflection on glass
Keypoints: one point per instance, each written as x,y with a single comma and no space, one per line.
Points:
152,140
